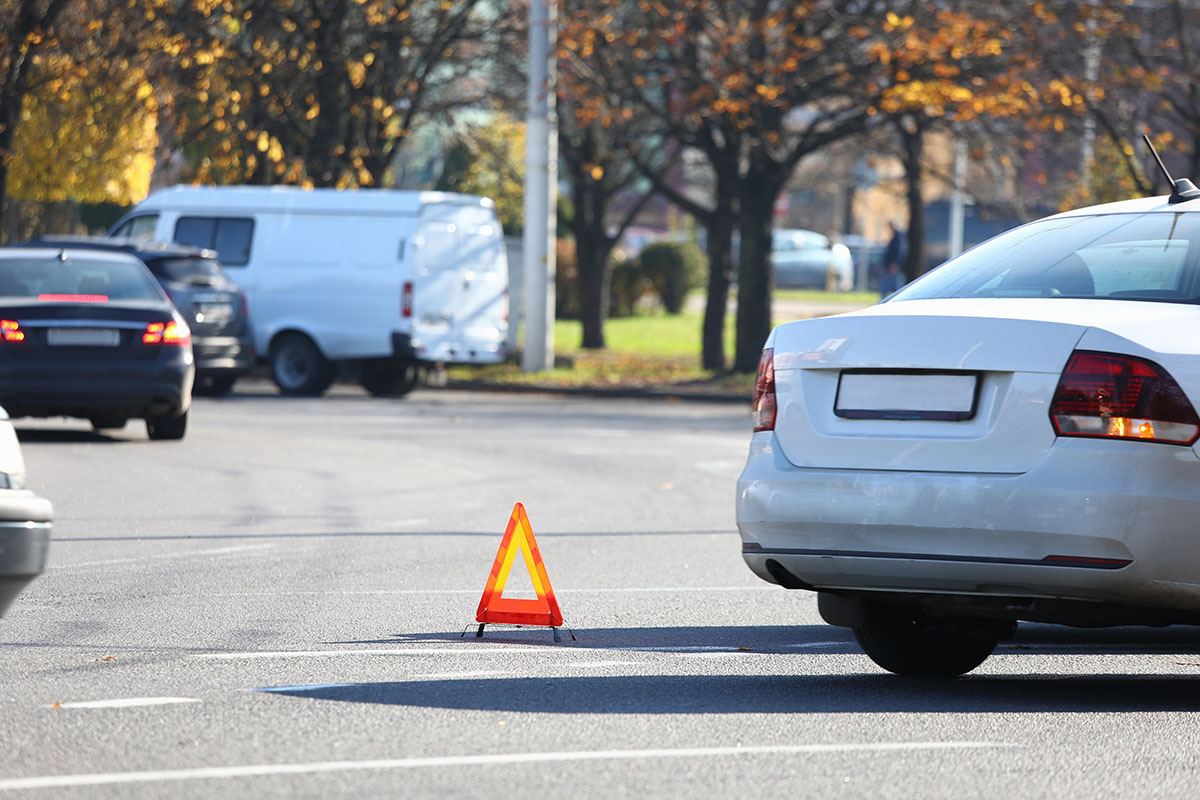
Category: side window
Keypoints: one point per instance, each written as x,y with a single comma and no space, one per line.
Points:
229,236
141,228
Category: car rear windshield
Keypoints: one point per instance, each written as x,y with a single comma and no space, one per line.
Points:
203,271
55,279
1121,256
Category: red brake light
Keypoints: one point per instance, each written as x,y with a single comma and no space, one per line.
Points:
1115,396
72,298
11,330
764,392
167,333
406,299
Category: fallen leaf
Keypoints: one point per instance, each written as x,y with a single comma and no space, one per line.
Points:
744,649
105,658
57,705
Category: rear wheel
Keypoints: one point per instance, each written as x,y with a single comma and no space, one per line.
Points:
298,367
906,643
167,428
390,378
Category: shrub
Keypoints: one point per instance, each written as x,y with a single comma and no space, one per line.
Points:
566,280
674,269
626,287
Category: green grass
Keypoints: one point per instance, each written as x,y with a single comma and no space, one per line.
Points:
653,350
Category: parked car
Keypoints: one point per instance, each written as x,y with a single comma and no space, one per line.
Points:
1011,437
809,260
25,521
212,303
91,334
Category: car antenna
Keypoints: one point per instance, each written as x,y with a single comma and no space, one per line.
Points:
1182,189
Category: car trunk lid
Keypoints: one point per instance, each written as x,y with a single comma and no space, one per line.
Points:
964,390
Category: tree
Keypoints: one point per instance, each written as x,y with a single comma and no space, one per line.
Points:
753,86
946,67
74,74
324,92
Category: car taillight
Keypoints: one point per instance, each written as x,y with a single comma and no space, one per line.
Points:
764,392
167,333
406,298
1121,397
11,330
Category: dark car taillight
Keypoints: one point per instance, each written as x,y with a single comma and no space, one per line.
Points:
167,333
406,299
764,392
12,330
1121,397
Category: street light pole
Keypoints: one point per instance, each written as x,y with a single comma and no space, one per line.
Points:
541,192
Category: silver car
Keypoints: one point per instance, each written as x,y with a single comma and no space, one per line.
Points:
25,521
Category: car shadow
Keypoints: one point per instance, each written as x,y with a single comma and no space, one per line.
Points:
773,694
806,689
76,436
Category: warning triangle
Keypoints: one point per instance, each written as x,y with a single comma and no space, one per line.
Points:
493,606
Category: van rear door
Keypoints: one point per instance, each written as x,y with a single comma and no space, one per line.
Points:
460,284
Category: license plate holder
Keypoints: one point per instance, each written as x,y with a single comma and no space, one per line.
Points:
907,395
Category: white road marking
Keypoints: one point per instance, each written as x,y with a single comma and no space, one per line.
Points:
808,645
188,554
468,649
498,759
436,591
127,702
308,687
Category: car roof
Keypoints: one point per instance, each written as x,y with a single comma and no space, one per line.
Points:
1140,205
14,252
142,248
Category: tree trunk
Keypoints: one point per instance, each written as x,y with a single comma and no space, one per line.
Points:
720,278
591,260
756,277
913,139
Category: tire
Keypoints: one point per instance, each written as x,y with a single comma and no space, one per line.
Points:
903,642
390,378
214,387
108,423
166,428
298,367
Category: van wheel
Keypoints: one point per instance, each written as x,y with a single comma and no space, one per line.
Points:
390,378
906,643
298,367
166,428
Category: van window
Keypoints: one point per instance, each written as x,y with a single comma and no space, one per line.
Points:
141,228
229,236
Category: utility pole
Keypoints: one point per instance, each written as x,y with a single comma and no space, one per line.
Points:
958,198
541,192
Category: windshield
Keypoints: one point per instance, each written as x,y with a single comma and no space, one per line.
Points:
74,279
202,271
1120,256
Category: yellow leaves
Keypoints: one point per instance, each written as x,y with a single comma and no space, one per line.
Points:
768,93
358,74
894,22
313,112
596,172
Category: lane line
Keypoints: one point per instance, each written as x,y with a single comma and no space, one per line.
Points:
216,552
461,650
499,759
127,702
432,591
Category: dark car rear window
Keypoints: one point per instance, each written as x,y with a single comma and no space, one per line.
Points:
187,270
55,279
1123,256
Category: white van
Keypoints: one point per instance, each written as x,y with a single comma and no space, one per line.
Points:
384,283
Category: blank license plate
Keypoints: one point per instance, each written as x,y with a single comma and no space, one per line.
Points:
83,337
906,395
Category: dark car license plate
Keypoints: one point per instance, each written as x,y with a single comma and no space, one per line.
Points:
83,337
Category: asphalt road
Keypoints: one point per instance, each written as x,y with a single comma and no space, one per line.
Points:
274,607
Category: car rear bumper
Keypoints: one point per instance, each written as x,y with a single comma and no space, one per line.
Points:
1095,521
74,389
24,541
223,356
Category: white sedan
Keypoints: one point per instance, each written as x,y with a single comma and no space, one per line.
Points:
1011,437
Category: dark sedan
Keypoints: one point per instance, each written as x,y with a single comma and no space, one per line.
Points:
92,334
212,303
